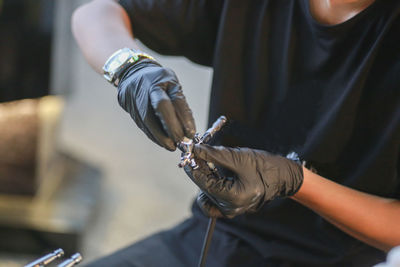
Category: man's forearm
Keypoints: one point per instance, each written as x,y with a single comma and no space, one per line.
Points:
369,218
101,27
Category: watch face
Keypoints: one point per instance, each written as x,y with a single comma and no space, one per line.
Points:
118,60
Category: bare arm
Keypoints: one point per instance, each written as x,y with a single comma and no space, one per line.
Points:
371,219
101,27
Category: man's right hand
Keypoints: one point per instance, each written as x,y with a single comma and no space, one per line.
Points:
153,97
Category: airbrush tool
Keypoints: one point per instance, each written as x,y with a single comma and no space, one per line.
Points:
187,145
187,158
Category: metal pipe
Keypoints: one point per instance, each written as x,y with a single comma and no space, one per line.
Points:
47,259
74,260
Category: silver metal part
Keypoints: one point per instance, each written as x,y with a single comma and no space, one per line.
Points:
74,260
216,127
47,259
187,145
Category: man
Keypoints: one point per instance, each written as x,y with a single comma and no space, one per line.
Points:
318,78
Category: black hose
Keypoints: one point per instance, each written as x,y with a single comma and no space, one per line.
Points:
207,241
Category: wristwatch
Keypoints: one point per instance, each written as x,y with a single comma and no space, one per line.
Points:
120,61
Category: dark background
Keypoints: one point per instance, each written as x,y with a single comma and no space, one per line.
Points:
26,28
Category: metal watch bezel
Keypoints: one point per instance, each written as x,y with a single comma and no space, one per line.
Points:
117,63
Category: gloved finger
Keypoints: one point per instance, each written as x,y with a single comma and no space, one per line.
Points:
202,177
207,206
165,111
226,157
183,112
198,176
210,183
153,129
145,118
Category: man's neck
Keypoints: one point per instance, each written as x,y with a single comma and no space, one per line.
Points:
334,12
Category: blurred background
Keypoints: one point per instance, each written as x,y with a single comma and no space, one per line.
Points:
75,172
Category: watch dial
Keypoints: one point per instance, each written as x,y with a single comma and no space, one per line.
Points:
118,60
123,57
114,65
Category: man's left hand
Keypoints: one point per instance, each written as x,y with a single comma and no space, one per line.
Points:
249,178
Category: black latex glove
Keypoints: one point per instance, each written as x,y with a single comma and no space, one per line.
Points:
153,97
252,177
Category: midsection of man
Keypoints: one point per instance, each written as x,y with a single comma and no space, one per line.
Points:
300,76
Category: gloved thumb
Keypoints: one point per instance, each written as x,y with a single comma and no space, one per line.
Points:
223,156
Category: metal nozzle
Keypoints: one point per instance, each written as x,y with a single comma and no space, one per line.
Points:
216,127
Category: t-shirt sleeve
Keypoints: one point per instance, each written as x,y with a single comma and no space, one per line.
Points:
176,27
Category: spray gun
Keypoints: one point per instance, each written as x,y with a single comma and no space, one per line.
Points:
187,145
187,158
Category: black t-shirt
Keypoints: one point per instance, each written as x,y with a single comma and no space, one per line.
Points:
289,83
